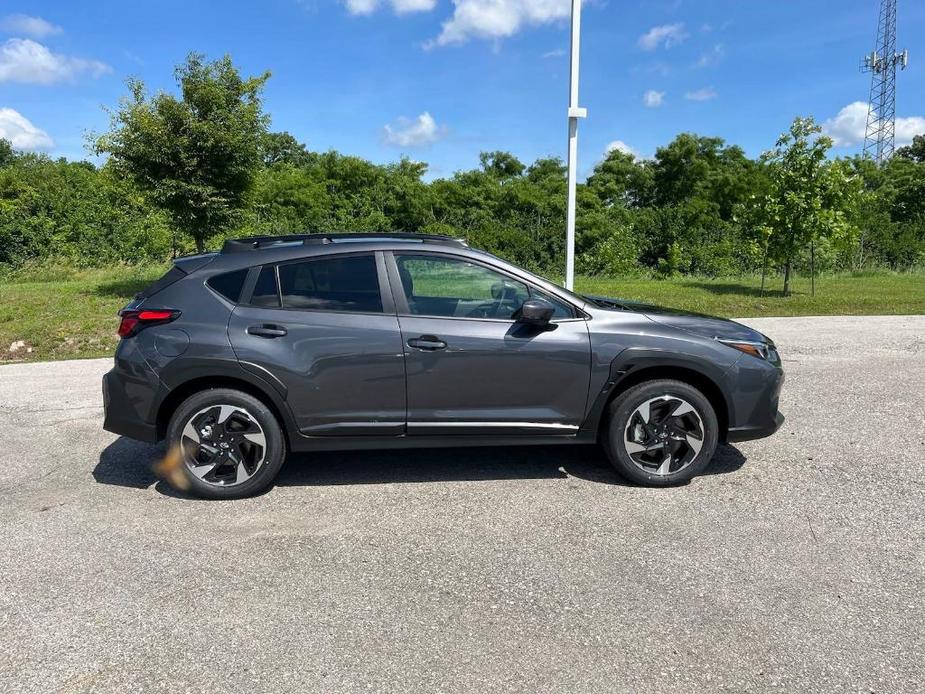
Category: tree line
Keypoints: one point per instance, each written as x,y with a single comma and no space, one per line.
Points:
183,171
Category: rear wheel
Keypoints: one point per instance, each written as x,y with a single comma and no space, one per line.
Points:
230,443
661,433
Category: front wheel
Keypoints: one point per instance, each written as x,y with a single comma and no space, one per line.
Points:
230,443
661,433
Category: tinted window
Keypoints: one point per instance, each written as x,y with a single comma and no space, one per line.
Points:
229,284
340,283
456,288
265,292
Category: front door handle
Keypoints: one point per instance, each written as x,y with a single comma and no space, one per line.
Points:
267,331
427,343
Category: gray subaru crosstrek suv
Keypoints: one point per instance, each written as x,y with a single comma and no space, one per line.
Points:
369,341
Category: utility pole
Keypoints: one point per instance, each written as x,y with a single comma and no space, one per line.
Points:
880,135
574,113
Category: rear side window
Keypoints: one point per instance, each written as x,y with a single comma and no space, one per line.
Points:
172,275
340,283
265,291
229,284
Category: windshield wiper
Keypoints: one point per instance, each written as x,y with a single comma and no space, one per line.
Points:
604,302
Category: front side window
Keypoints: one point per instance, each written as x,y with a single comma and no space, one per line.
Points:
456,288
337,283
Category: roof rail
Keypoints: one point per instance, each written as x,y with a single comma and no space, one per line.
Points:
252,243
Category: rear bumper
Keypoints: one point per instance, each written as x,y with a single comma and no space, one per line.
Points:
120,409
760,431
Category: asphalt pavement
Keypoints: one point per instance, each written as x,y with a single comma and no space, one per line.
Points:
796,564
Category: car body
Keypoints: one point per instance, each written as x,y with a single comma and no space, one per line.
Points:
362,341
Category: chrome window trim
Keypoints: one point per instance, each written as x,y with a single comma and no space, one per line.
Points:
508,425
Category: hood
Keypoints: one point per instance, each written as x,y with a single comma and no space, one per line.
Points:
697,323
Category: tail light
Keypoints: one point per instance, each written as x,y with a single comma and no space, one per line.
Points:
135,320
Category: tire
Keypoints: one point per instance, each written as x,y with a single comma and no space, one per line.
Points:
673,444
231,445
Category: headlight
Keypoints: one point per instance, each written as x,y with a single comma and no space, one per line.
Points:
762,350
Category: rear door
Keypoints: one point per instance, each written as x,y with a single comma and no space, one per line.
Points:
325,326
472,369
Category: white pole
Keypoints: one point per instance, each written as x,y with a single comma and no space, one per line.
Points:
574,113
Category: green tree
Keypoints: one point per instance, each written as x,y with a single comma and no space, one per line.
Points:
915,151
902,195
696,167
502,165
283,148
197,155
620,179
75,212
7,154
810,198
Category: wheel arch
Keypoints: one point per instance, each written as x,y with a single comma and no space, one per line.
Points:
182,391
628,373
698,380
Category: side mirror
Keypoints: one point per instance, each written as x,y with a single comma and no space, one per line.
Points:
535,312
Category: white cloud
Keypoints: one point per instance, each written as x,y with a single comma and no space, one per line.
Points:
848,127
704,94
666,36
24,60
362,7
25,25
713,56
653,99
557,53
622,147
405,6
21,133
476,19
908,128
497,19
417,132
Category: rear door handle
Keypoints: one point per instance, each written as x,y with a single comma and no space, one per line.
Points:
427,343
267,330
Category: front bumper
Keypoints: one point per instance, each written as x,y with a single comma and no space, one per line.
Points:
755,431
755,400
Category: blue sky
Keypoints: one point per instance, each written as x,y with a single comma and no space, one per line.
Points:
442,80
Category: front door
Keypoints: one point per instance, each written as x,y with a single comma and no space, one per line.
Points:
472,369
322,327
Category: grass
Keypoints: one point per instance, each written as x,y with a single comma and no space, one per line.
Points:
63,313
850,294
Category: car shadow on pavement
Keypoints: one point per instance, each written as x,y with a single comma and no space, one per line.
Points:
128,463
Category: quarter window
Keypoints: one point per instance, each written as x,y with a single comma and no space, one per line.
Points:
229,284
340,283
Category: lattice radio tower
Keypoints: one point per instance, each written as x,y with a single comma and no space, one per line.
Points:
880,136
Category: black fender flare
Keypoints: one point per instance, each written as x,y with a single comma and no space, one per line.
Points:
632,361
178,376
